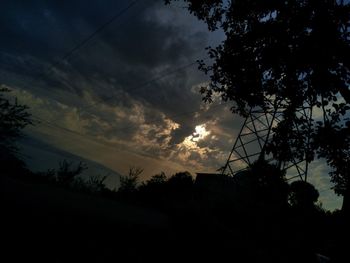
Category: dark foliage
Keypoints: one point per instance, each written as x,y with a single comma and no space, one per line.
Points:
66,173
13,118
263,184
155,189
69,175
335,147
180,183
294,50
229,211
128,183
247,218
289,55
96,184
303,195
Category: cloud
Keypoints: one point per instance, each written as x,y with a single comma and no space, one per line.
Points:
137,127
103,92
144,44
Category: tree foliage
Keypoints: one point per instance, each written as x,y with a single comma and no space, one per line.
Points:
294,50
155,184
13,118
263,184
337,153
302,194
128,183
181,180
285,54
66,173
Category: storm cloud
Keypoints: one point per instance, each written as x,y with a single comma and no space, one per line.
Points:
128,96
131,85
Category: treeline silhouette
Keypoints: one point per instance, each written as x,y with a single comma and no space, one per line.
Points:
255,216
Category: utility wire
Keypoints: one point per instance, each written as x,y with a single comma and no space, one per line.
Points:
143,84
41,120
86,40
91,138
98,30
94,34
53,125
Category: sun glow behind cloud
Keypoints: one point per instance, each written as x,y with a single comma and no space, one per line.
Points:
190,152
200,134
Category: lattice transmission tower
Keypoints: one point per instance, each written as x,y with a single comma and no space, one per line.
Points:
256,132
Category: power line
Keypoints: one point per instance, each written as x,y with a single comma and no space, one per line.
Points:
134,14
95,33
88,39
98,30
138,87
54,125
144,84
41,120
82,43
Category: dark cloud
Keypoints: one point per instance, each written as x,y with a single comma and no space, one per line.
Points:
140,46
178,135
131,51
112,71
100,91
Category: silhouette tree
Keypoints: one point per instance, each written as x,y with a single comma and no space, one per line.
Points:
154,191
13,118
96,184
303,195
181,183
128,184
263,185
337,152
289,54
306,218
66,173
155,185
157,179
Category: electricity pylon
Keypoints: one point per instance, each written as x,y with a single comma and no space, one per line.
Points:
256,132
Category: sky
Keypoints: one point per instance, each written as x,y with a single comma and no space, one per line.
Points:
128,97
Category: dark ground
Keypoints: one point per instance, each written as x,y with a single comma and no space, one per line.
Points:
48,223
45,223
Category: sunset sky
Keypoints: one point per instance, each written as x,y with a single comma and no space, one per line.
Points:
127,97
